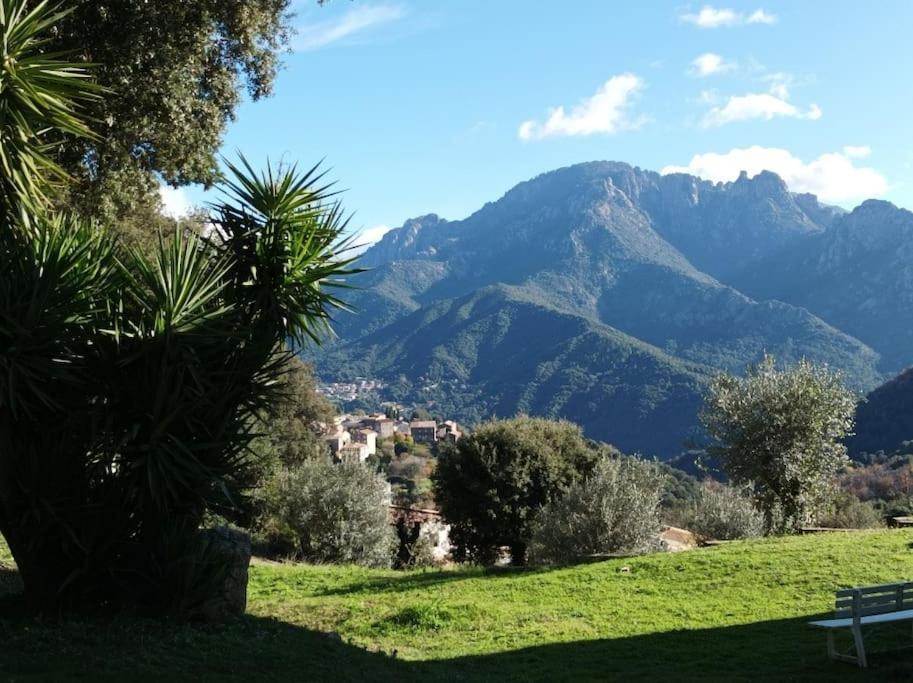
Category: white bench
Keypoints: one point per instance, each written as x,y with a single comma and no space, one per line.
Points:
866,606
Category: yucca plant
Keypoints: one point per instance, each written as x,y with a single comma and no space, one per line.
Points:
131,386
40,94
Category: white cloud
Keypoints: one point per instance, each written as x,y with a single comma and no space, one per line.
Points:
769,105
175,202
357,20
757,106
604,112
759,16
368,237
833,177
780,84
708,64
857,152
712,17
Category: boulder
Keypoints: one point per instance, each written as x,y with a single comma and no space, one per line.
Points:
235,547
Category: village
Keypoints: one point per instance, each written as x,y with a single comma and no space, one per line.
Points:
355,438
405,452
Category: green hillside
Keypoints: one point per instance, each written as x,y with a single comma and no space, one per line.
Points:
735,612
498,352
884,420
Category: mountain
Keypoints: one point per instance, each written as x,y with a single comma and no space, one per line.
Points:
884,420
498,352
857,275
599,292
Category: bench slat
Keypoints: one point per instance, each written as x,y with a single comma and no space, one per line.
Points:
906,615
847,603
867,590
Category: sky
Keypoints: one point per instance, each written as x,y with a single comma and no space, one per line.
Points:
438,106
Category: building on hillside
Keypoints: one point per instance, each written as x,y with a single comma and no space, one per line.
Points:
402,428
413,523
384,426
352,422
368,437
423,431
352,452
449,431
338,441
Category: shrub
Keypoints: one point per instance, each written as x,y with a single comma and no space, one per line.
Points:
724,513
491,484
848,512
330,513
614,510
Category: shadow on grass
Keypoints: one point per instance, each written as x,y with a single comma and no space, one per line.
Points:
263,649
413,580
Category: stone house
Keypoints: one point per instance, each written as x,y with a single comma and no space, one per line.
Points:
368,437
353,452
338,440
424,431
449,431
384,426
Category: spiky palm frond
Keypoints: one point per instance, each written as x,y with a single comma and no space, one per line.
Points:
40,96
286,237
58,279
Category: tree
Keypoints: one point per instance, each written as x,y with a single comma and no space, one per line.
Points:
491,484
331,513
614,509
176,71
131,386
780,432
293,428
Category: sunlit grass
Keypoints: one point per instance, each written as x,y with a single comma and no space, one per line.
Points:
735,611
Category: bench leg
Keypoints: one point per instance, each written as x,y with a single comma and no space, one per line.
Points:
831,650
860,647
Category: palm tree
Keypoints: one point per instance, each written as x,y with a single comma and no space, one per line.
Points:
131,385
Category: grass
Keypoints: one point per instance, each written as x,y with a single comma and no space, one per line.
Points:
732,612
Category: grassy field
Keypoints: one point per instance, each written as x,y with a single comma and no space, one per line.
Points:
727,613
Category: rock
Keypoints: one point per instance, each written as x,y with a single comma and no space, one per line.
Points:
673,539
234,545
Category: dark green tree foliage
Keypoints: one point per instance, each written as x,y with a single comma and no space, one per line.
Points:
130,386
780,433
177,70
490,485
293,428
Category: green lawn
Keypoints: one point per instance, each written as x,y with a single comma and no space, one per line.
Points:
725,613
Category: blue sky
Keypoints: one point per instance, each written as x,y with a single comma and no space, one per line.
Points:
441,106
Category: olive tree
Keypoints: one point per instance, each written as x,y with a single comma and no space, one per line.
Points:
780,432
614,509
328,512
491,484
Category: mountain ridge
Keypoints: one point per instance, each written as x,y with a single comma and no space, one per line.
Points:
658,264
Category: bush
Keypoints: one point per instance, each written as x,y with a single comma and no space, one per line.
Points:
330,513
848,512
491,484
614,510
724,513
